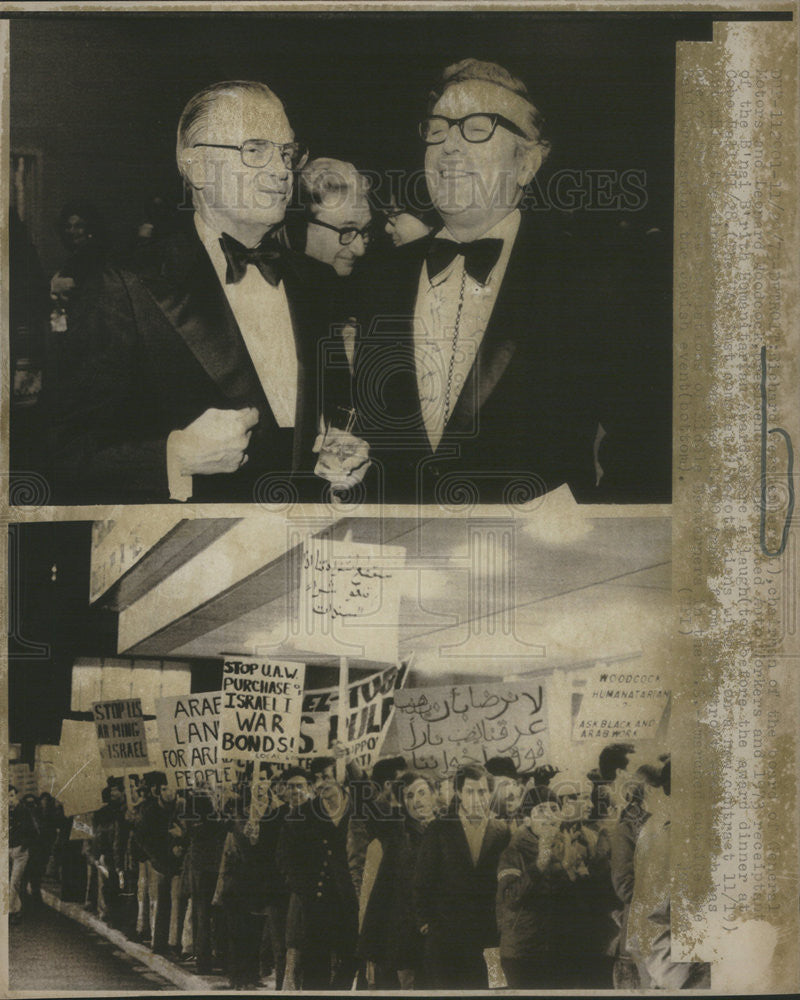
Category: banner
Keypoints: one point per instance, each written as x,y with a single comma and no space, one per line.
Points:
370,710
261,706
350,599
621,704
188,728
440,728
120,734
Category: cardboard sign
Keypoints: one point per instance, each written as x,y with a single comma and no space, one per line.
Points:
442,727
78,770
120,734
350,599
262,702
370,711
621,703
188,728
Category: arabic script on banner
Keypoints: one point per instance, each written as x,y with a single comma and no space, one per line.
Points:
439,728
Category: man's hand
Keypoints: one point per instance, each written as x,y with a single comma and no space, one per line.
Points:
215,442
343,457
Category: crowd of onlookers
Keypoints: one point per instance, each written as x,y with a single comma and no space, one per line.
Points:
325,878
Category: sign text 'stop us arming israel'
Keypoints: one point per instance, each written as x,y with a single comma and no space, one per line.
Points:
621,702
350,599
120,733
262,703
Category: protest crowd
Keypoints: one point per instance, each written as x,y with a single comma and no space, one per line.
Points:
325,877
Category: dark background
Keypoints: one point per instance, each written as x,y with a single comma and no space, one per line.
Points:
99,97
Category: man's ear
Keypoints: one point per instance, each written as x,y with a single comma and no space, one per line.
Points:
529,161
191,164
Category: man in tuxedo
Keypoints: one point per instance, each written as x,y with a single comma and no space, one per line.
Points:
493,354
192,371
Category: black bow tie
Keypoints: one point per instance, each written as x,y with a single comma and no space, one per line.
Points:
267,257
480,256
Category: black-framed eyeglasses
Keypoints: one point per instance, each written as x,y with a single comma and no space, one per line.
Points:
258,152
477,127
346,236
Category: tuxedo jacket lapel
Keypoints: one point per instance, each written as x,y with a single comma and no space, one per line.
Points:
500,341
187,291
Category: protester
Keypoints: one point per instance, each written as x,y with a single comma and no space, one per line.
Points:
21,838
107,849
322,920
623,847
390,940
374,801
508,791
553,901
160,835
454,885
206,835
241,893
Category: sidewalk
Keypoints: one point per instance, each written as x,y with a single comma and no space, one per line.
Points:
182,978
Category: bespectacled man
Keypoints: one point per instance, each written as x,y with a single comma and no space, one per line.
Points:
490,363
194,374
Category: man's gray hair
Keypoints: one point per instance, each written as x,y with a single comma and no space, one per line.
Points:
195,115
325,182
490,72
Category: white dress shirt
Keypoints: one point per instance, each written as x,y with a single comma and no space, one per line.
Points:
444,354
474,832
261,311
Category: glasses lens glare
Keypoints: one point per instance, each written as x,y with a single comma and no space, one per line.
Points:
477,128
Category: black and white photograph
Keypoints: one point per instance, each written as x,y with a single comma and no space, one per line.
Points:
347,756
398,498
401,257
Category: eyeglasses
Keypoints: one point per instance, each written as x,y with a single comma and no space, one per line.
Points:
258,152
474,128
346,236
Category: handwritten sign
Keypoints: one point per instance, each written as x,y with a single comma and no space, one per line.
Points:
621,703
188,728
350,599
120,733
262,703
369,714
440,728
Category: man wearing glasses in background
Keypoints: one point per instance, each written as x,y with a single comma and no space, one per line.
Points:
486,363
338,216
192,373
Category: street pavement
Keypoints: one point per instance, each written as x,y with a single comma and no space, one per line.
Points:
48,951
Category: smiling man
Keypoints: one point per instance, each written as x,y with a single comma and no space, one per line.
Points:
338,213
192,369
487,362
